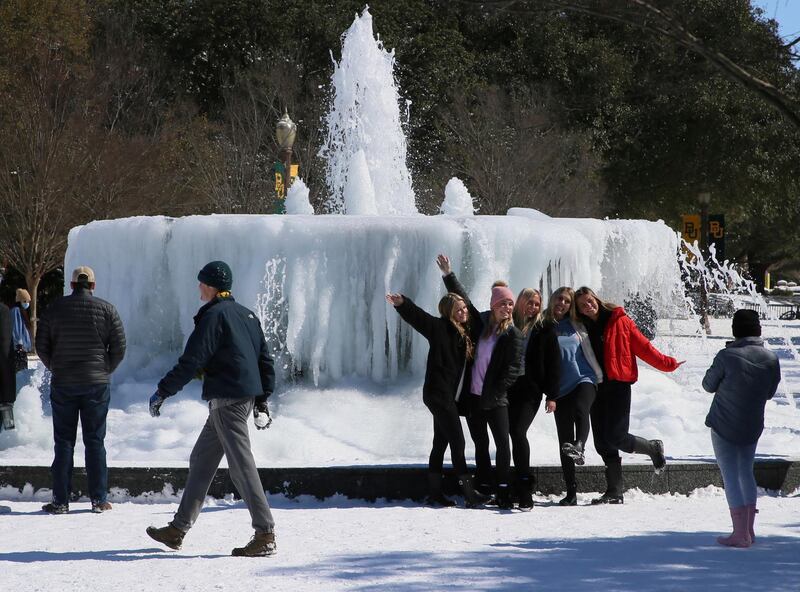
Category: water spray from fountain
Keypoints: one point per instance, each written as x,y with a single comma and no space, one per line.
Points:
364,125
728,290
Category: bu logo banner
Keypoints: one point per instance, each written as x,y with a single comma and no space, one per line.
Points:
715,232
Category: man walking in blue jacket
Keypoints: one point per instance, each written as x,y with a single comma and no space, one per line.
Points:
228,347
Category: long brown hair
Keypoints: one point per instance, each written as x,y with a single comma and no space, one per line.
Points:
548,314
523,324
447,308
576,315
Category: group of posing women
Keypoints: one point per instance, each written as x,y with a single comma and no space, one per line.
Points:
494,367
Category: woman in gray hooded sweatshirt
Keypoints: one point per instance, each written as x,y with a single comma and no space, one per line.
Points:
743,376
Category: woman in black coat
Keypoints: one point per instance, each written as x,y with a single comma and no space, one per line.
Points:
451,348
540,375
494,368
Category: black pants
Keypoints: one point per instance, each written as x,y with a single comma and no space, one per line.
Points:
447,432
497,420
611,416
521,411
572,423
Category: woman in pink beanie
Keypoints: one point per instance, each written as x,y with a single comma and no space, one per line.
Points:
494,368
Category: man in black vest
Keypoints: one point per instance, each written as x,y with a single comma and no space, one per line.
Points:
228,347
81,341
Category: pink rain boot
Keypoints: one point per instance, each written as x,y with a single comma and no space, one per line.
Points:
741,534
751,518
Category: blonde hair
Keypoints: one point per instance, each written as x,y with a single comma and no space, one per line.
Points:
447,308
525,296
22,295
548,315
586,291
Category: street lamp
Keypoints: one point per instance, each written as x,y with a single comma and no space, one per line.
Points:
285,134
704,199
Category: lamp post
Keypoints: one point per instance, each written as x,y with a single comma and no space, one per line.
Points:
704,199
285,134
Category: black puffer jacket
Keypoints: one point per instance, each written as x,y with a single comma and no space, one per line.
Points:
80,339
8,387
542,365
228,345
505,364
447,355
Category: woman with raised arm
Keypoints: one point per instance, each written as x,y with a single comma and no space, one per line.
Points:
540,374
577,387
495,367
451,349
618,342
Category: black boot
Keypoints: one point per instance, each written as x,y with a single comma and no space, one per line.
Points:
571,499
574,451
652,448
435,496
614,487
504,497
472,499
525,493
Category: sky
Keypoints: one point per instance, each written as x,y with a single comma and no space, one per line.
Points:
786,12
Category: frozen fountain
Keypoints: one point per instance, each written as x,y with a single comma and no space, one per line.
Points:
318,282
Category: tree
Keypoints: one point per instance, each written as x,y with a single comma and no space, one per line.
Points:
42,46
78,141
664,19
512,152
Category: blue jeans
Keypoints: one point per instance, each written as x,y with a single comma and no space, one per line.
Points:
89,403
736,465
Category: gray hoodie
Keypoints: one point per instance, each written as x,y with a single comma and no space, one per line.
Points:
744,376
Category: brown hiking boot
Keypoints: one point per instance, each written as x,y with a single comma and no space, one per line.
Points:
100,507
168,535
261,545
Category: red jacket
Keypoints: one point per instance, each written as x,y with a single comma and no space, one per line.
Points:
623,343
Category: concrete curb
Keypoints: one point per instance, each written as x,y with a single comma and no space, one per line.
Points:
398,482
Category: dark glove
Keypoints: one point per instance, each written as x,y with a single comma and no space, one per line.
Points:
155,403
6,416
261,415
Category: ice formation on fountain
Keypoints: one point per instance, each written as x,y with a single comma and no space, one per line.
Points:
364,122
297,201
457,200
318,282
359,192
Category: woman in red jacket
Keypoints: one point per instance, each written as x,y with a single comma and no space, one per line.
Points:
617,342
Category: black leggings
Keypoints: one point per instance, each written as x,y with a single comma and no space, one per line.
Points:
572,423
521,411
611,415
497,420
447,432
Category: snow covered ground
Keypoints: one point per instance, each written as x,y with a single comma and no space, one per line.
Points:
651,543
